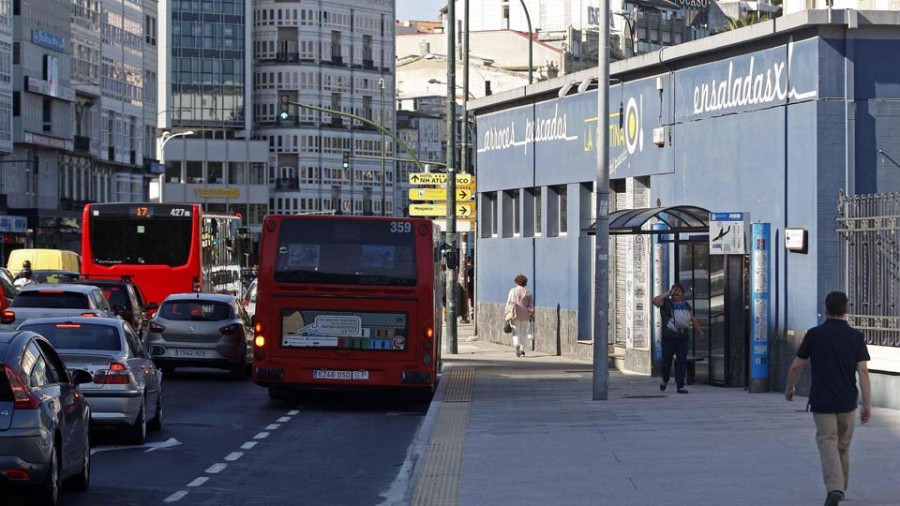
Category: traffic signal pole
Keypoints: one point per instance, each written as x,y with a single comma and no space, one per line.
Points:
450,281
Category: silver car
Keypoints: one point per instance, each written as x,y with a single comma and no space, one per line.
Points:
127,387
43,301
202,329
44,419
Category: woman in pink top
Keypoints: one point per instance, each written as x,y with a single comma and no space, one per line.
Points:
520,312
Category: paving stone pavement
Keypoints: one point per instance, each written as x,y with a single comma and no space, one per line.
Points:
534,436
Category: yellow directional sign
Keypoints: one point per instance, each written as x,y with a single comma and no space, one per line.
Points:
464,194
429,178
462,210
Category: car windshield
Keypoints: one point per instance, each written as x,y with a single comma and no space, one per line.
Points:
51,299
356,252
115,294
78,336
54,277
195,310
152,241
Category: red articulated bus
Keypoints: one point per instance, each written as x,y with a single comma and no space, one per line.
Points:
347,302
163,248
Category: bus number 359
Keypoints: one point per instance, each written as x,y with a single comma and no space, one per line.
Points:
401,227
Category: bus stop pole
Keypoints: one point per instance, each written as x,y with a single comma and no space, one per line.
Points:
450,281
601,232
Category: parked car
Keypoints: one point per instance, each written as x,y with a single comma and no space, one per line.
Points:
127,386
44,259
44,421
201,329
54,277
43,301
249,301
126,300
8,284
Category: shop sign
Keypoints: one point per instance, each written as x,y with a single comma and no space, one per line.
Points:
13,224
47,141
217,193
42,87
48,40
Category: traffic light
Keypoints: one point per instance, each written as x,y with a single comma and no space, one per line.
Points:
450,256
346,162
285,108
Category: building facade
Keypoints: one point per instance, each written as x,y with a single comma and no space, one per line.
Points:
339,55
205,62
765,125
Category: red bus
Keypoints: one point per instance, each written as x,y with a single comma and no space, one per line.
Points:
163,248
347,302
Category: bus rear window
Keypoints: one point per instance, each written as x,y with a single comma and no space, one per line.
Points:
152,241
51,300
360,252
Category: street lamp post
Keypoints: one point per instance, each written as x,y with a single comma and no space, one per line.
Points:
381,85
164,139
450,280
530,43
601,232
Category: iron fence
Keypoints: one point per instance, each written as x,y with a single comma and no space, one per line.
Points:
867,229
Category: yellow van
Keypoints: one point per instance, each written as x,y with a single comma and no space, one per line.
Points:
44,260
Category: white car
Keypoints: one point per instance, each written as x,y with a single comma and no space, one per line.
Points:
249,301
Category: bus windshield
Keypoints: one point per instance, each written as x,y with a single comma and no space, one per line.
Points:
153,241
346,252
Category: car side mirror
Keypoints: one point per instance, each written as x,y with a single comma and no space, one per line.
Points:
152,306
119,309
80,376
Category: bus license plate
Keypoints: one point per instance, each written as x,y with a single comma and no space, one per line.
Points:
340,375
192,353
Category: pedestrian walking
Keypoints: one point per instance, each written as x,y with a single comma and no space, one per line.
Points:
837,352
677,320
519,313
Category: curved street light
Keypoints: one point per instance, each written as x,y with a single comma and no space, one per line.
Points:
166,137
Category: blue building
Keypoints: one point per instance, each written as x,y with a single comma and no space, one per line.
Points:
775,123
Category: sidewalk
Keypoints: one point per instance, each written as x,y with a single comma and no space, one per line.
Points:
508,431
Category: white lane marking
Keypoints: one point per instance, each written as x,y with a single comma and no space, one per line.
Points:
156,445
294,412
231,457
284,419
248,445
176,496
261,435
273,426
216,468
198,481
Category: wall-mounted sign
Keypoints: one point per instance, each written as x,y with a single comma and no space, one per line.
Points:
726,234
217,193
694,4
48,40
50,142
42,87
796,240
51,74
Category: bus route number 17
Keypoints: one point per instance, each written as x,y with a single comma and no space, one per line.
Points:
401,227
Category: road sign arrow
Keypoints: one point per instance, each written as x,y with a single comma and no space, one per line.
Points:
148,447
464,194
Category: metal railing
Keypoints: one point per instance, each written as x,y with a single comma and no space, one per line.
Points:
868,227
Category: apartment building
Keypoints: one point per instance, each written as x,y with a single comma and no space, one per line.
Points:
339,55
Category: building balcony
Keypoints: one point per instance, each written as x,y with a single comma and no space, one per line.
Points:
287,57
368,64
287,184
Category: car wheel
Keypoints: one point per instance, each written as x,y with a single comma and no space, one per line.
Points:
157,421
47,493
137,433
239,369
81,481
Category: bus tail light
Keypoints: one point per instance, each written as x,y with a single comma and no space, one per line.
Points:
22,398
427,344
259,327
116,374
7,317
156,328
259,341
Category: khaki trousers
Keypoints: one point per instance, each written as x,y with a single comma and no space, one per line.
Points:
833,434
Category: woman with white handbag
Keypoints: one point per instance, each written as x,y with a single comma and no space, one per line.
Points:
519,314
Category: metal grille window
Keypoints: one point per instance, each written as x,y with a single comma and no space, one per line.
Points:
867,228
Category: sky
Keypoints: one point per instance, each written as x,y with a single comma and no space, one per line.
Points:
418,9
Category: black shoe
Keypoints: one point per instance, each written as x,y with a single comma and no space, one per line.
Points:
682,390
662,387
834,497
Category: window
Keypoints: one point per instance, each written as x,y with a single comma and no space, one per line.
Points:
80,336
538,205
158,241
562,206
47,110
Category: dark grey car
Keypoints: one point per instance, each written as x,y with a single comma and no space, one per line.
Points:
44,419
201,329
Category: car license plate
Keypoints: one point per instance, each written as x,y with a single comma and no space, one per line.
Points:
191,353
340,375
